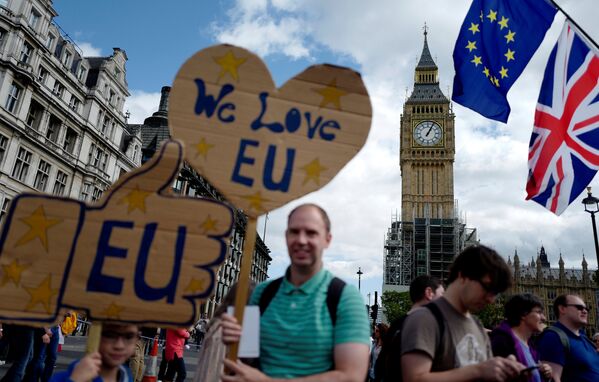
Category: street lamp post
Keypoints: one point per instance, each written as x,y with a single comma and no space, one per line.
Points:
359,273
591,205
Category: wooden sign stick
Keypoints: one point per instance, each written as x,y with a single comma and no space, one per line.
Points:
243,285
93,337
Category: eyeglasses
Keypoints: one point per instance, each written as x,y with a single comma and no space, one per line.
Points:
580,307
112,336
488,288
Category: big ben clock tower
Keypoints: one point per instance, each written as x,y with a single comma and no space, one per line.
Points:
427,146
428,235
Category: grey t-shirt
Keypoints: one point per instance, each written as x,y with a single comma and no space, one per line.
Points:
464,341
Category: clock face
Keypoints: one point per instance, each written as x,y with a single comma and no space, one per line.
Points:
428,133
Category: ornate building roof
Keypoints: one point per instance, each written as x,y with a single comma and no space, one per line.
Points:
426,84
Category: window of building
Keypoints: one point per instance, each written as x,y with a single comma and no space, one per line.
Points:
85,191
4,210
13,97
111,97
60,184
117,72
105,124
81,73
112,129
104,161
3,35
58,89
26,52
96,193
53,129
3,3
3,147
42,175
66,58
22,164
34,115
551,294
42,74
34,18
69,141
97,157
50,41
74,103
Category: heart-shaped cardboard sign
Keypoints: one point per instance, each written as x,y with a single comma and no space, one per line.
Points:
262,146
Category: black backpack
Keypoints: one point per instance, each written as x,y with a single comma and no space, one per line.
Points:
333,295
388,364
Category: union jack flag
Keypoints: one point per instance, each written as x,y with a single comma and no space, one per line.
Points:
563,154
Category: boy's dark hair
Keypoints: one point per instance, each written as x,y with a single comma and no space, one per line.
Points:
561,300
419,284
478,261
520,305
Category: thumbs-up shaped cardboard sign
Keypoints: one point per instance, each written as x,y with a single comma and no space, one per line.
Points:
140,255
259,145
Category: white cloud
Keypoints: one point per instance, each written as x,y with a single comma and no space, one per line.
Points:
88,49
385,39
141,105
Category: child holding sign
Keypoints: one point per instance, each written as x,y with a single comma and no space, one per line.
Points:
117,344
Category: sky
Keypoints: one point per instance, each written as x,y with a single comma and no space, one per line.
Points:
383,40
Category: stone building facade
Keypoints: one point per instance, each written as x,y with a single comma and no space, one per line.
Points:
62,126
154,131
537,277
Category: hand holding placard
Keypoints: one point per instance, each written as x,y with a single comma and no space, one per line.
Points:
138,253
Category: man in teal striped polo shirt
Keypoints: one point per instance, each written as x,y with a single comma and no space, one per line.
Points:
297,336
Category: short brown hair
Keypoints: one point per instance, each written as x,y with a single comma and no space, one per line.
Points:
323,214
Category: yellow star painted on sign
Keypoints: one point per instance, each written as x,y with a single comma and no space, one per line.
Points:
486,72
492,16
495,81
229,64
509,55
202,148
331,94
503,22
209,224
38,227
194,286
256,201
477,60
481,16
503,72
136,199
12,272
313,170
113,311
473,28
509,37
471,46
42,294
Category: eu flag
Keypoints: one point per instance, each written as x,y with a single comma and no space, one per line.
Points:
496,41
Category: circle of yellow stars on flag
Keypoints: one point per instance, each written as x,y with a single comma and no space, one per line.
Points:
509,37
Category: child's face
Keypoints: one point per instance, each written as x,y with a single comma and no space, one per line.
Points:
117,344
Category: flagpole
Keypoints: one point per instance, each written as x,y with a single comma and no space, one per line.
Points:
575,24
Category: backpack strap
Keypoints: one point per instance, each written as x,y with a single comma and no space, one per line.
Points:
269,293
333,296
436,311
563,337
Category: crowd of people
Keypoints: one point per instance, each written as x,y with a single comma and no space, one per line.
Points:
313,328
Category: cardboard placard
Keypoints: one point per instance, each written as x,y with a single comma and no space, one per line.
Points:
140,255
262,146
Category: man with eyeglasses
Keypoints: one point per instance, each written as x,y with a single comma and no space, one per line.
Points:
572,356
460,350
108,364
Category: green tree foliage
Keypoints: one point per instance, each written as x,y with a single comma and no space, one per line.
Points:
395,304
492,314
